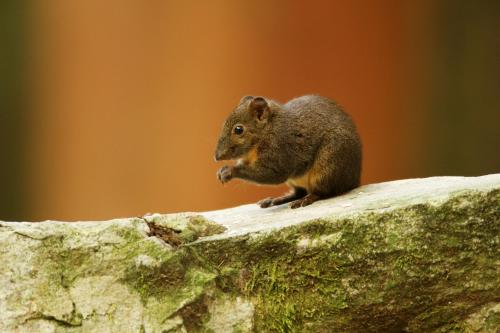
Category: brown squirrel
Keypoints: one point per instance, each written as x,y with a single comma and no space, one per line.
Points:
309,143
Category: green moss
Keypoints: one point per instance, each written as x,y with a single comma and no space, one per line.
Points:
372,273
150,269
426,268
157,279
492,321
203,227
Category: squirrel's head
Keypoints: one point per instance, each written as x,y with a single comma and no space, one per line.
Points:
243,128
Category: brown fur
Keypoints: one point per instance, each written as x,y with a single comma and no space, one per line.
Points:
309,143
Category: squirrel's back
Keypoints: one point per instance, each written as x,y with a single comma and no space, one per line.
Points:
332,146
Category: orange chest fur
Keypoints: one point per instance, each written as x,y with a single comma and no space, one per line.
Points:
249,158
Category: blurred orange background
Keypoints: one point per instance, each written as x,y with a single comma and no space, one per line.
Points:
113,108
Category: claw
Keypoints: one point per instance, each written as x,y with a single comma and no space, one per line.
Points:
225,174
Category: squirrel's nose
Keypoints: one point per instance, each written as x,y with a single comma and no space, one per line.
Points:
220,155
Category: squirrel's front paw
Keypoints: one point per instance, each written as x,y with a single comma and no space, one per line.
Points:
225,174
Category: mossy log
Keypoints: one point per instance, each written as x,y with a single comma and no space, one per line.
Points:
418,255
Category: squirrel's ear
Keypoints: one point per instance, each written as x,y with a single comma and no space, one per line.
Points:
259,108
245,98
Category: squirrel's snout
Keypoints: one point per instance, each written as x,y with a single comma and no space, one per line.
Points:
218,156
223,151
222,155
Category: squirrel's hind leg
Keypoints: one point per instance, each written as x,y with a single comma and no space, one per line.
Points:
305,201
296,193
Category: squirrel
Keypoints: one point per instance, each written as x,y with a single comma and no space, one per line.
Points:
309,143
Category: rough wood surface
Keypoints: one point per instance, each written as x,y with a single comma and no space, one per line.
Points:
417,255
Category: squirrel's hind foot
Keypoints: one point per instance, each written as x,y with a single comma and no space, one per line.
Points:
296,193
305,201
264,203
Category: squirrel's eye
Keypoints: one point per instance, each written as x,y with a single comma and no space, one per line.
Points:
238,130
